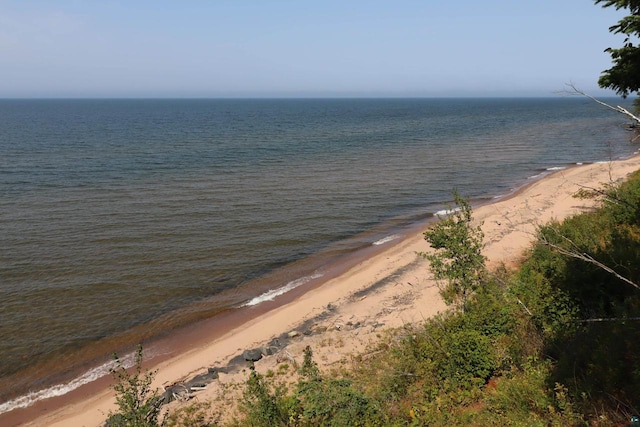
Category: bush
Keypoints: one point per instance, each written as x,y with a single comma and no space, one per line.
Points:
264,403
572,285
138,404
469,360
458,257
549,308
331,401
528,399
334,402
316,401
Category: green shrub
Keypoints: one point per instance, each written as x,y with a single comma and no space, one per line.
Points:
316,401
622,202
458,257
334,402
447,354
264,403
550,309
576,285
528,399
138,404
467,360
330,401
490,311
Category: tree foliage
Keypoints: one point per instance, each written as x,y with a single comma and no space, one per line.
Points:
263,403
138,404
624,75
458,257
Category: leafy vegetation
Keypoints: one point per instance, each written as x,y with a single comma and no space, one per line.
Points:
624,75
458,257
315,400
138,404
265,403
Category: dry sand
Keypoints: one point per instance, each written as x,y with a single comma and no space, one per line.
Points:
392,288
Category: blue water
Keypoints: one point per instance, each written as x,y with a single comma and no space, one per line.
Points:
122,219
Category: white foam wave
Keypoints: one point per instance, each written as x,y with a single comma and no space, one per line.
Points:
62,389
536,176
557,168
386,239
271,294
446,212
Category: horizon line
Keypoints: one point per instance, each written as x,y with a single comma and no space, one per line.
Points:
548,96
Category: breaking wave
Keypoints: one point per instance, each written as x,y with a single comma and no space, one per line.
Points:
386,239
62,389
273,293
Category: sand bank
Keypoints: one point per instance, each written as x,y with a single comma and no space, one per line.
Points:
393,287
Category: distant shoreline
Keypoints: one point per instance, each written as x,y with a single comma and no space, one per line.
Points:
291,98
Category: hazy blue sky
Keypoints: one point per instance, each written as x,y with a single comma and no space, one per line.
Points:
220,48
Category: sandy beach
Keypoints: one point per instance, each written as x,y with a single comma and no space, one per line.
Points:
342,316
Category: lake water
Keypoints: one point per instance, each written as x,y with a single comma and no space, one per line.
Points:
121,220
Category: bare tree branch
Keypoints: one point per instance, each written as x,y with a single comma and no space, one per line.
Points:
575,91
576,253
606,319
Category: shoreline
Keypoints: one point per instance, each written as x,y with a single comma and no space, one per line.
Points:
385,288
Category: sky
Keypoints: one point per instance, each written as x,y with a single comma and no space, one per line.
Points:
299,48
